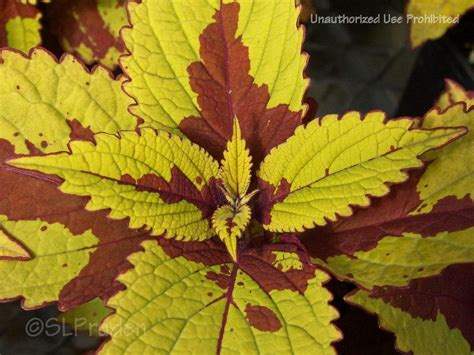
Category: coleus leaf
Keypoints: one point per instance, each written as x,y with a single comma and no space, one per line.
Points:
51,103
229,225
439,309
156,180
236,165
334,163
455,93
180,298
89,29
240,59
59,256
411,239
33,2
10,248
422,31
87,317
429,210
19,25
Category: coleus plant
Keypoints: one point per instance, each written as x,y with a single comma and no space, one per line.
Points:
422,31
86,28
189,196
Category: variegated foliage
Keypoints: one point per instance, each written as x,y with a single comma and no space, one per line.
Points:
183,213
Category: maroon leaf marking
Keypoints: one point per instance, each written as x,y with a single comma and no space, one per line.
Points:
222,279
389,216
26,195
10,9
267,197
262,318
451,294
79,22
19,244
225,89
79,132
180,188
256,261
210,252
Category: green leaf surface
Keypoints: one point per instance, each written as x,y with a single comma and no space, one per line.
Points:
457,158
236,165
164,42
153,178
89,29
87,317
335,163
455,93
57,257
421,334
394,261
423,30
230,224
175,305
49,102
19,25
413,250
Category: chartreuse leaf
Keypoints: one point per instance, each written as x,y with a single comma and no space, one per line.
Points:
277,62
455,93
58,257
11,248
334,163
231,220
87,317
414,250
287,261
457,158
229,225
50,103
45,98
414,334
423,30
163,42
236,165
89,29
153,178
394,261
33,2
174,305
19,25
251,50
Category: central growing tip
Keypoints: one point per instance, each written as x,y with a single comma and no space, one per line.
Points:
231,220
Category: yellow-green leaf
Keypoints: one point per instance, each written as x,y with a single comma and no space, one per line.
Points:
230,224
335,163
414,334
423,29
11,248
19,25
165,41
89,29
57,257
44,98
153,178
174,305
455,93
395,261
287,261
237,165
457,158
87,317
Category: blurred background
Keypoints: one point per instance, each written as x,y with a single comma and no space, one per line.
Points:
352,67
